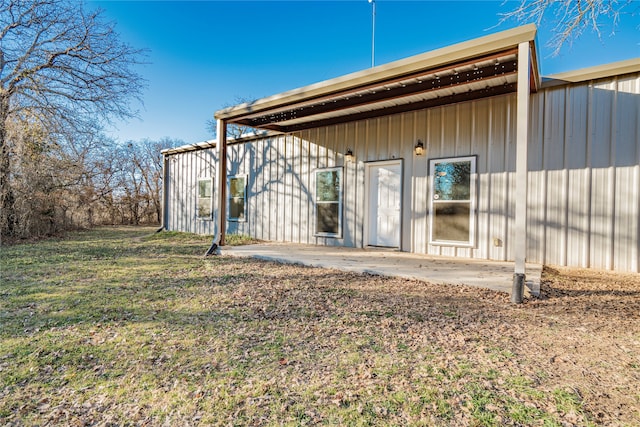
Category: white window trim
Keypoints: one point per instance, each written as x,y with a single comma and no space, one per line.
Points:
472,203
337,235
229,178
210,216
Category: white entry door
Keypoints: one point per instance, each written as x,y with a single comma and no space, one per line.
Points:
385,195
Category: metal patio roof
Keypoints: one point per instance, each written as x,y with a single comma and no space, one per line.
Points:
475,69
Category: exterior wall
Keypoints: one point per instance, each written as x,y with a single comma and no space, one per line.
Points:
281,188
182,174
584,180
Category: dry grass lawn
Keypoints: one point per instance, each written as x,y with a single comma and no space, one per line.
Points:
116,326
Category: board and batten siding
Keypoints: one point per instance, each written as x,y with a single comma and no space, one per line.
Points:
584,176
184,171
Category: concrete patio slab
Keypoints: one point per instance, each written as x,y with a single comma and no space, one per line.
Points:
494,275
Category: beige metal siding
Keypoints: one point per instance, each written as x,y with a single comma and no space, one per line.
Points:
584,206
281,182
627,157
584,180
184,170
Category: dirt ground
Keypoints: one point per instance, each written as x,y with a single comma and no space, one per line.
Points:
579,341
599,357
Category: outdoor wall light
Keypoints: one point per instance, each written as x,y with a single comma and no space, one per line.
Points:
419,148
348,156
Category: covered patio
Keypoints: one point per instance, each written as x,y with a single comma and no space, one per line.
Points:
494,65
494,275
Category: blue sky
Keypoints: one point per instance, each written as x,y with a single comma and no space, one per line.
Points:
204,55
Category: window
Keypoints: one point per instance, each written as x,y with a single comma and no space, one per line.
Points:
205,187
329,202
453,201
237,198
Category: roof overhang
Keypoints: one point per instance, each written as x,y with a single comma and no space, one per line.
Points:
212,143
479,68
189,147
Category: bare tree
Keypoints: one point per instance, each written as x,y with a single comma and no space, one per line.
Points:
147,162
572,17
61,67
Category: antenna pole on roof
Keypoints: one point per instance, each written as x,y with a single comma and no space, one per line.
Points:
373,32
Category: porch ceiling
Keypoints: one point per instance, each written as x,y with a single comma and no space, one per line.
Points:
477,69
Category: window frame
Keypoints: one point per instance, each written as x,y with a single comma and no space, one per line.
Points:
209,216
340,201
472,201
244,198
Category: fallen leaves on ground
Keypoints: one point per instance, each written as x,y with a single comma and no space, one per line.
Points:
229,341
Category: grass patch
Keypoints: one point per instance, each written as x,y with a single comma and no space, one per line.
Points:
123,326
240,239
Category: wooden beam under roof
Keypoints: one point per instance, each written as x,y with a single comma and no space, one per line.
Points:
384,93
507,56
403,108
